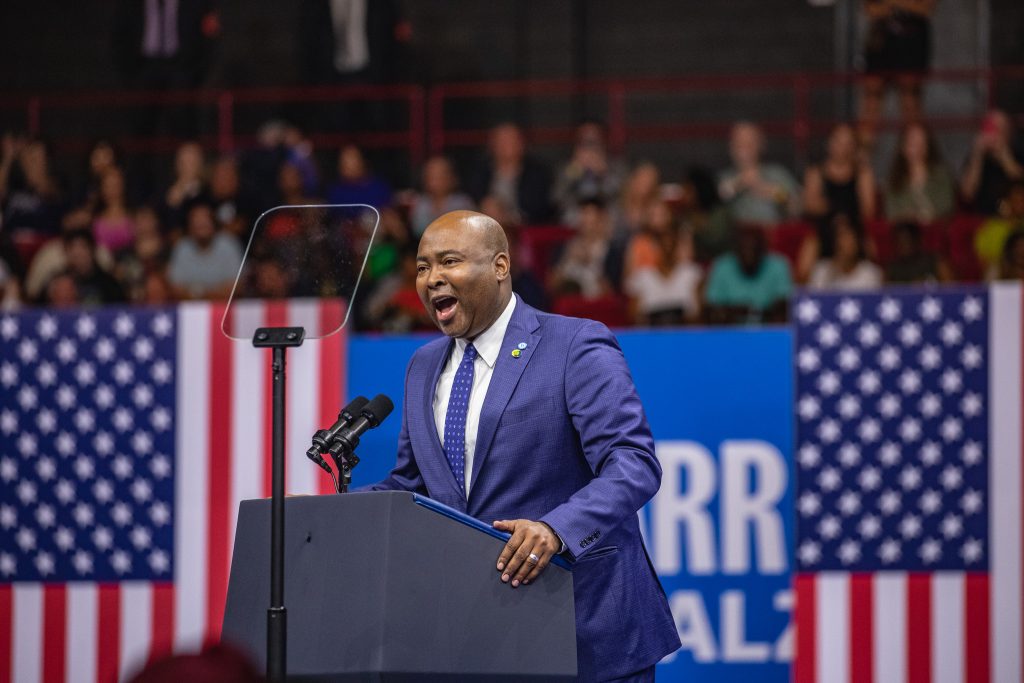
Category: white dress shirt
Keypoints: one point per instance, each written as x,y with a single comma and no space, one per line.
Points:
488,346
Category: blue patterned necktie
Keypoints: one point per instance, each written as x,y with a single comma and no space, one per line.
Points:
455,418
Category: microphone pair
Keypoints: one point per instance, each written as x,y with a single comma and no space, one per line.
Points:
341,439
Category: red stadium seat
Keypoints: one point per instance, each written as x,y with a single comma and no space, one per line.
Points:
878,232
787,238
935,237
26,244
612,310
963,258
541,242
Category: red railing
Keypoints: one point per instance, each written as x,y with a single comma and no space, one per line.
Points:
427,127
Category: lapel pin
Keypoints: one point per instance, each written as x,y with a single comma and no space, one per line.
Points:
516,353
522,345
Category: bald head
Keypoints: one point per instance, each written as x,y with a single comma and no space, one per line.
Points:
477,227
462,272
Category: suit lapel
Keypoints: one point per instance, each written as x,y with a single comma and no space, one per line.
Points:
427,401
507,371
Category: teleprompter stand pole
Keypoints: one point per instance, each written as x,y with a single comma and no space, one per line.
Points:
278,339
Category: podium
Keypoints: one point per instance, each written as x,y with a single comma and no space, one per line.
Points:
393,586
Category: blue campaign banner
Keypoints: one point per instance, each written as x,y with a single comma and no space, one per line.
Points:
719,532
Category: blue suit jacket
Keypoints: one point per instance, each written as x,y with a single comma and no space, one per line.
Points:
562,439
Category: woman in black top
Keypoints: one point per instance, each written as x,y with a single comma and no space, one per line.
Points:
842,184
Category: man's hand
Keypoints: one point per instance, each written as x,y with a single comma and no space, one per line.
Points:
528,538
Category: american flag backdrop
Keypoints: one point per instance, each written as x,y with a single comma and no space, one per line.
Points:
127,438
908,499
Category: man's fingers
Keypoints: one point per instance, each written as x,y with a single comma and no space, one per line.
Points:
528,539
541,552
515,570
545,559
511,546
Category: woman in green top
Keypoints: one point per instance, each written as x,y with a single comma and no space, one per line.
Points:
920,187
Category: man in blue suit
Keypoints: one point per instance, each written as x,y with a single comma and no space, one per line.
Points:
532,420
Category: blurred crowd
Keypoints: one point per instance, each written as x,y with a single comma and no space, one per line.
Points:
594,236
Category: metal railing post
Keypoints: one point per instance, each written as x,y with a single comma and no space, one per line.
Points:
32,116
226,122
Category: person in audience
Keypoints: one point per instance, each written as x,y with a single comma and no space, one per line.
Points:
525,283
146,255
291,188
226,197
284,228
748,284
994,162
843,182
60,291
51,259
349,43
910,263
848,269
156,290
590,173
629,216
31,201
10,285
271,280
356,184
991,236
704,215
1012,266
113,224
394,305
513,177
189,185
205,262
920,187
94,285
662,279
258,167
580,268
638,194
300,153
382,274
897,50
160,46
103,156
440,194
644,248
757,193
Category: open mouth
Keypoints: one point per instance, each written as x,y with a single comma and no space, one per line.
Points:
445,308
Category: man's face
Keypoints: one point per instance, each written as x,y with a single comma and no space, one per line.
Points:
507,144
201,225
79,257
745,144
749,250
458,278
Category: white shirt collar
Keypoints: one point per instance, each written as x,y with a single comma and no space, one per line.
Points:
488,342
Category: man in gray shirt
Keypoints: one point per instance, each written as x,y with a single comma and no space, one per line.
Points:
205,262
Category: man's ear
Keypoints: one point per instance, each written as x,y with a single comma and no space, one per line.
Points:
502,265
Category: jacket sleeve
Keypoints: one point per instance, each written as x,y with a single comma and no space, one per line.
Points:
615,437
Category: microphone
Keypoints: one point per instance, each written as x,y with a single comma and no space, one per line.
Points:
372,414
323,437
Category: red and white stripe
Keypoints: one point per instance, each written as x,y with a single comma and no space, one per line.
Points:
99,633
955,627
